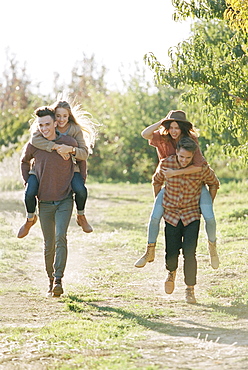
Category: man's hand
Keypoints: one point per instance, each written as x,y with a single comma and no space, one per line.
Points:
65,156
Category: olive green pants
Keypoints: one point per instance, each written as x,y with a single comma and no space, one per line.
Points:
54,219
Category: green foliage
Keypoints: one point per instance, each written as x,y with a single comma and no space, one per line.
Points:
206,9
197,82
120,153
17,103
237,14
212,66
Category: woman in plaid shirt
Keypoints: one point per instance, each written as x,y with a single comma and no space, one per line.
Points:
164,136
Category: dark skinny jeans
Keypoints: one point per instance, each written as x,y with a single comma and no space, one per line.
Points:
185,238
77,184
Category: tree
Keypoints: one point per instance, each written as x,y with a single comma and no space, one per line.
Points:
237,14
204,9
120,153
212,65
17,104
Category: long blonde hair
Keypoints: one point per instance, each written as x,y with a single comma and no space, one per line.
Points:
78,116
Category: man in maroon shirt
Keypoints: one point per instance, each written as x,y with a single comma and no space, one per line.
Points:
182,212
54,175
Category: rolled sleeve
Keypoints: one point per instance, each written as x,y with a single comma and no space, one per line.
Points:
210,178
158,177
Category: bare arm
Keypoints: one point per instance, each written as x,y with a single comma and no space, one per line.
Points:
148,132
182,171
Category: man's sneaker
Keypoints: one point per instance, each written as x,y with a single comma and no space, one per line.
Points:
50,288
169,282
57,289
190,295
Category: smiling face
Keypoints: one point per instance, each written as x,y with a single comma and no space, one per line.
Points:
46,126
62,118
184,157
174,130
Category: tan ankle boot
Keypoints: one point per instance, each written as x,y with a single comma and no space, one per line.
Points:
82,221
213,255
148,256
169,283
24,230
190,295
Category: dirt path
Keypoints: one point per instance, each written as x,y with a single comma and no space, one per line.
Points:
186,335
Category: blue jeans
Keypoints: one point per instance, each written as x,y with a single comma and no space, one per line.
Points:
30,195
80,191
206,206
155,218
54,220
77,185
185,238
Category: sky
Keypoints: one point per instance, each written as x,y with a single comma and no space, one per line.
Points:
50,36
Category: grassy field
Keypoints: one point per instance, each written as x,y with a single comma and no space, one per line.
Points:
113,315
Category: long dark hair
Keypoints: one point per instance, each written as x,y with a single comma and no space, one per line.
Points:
186,128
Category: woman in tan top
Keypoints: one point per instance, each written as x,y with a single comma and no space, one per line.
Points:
72,121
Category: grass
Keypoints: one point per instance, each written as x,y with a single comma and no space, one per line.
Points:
105,320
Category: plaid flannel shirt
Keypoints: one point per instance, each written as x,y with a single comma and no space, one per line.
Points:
182,193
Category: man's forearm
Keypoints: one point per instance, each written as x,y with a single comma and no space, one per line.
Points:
213,191
25,168
156,189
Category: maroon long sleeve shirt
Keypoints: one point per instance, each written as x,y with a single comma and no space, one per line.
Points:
53,172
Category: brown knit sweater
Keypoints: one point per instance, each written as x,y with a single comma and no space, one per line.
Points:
53,172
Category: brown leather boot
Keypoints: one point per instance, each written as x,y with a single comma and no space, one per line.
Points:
213,254
169,284
50,288
24,230
82,221
147,257
57,289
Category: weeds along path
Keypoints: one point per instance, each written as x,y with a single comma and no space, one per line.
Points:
212,333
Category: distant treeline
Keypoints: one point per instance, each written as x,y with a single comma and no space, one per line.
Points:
120,153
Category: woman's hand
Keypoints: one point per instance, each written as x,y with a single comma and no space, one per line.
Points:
168,172
64,151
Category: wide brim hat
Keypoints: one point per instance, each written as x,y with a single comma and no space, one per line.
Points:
176,115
